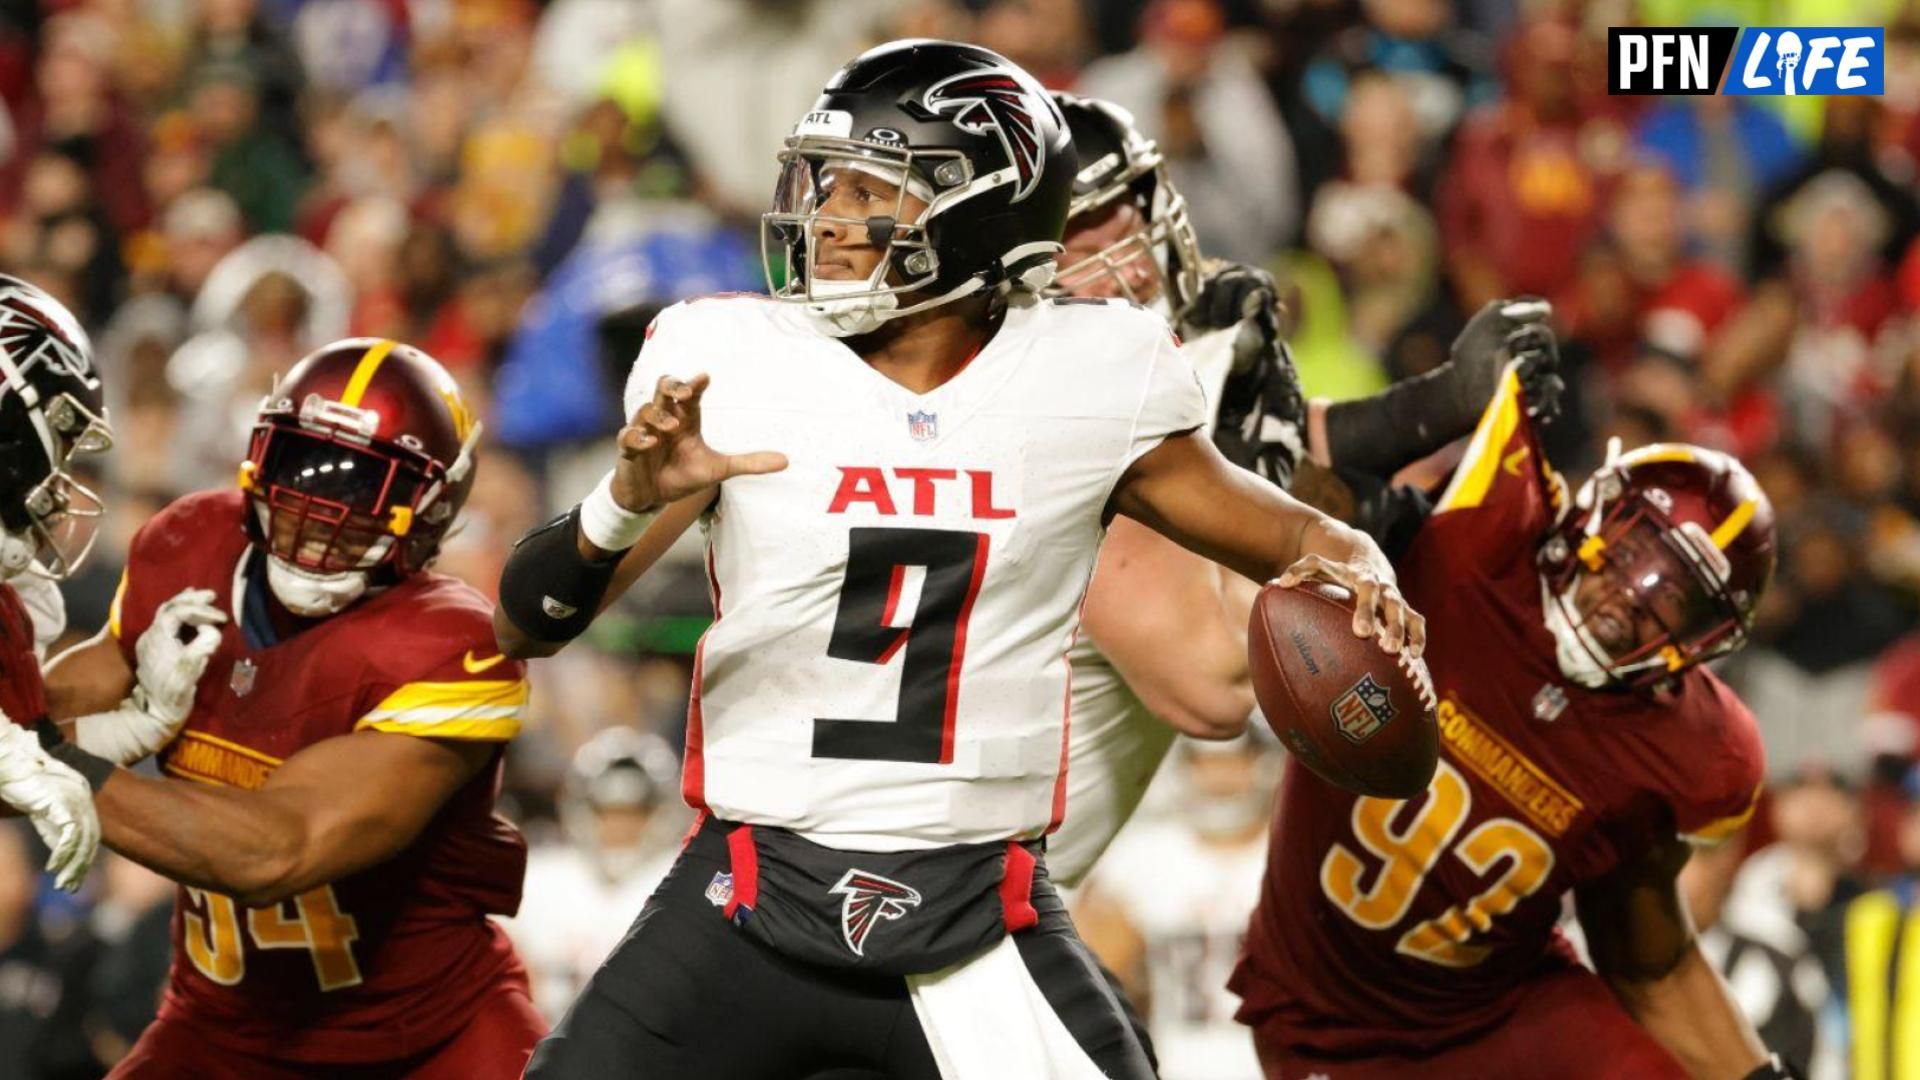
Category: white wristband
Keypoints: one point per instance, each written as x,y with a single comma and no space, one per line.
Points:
607,524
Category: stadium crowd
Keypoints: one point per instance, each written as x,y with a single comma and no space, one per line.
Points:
217,186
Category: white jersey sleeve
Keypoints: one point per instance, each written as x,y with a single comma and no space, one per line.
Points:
672,347
1172,403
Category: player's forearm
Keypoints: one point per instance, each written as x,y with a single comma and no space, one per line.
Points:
1690,1012
241,843
1195,681
92,677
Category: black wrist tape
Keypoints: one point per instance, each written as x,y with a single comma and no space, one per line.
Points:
548,589
93,767
49,733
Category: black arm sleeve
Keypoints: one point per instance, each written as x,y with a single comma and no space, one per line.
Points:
95,769
547,589
1406,421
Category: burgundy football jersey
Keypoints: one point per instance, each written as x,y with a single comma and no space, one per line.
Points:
1400,926
23,697
389,961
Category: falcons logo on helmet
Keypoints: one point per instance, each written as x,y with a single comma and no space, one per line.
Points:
993,100
869,899
29,331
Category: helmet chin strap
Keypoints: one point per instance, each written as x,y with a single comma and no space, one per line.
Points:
1576,649
851,315
313,595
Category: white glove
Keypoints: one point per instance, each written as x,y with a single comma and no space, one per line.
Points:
169,673
55,798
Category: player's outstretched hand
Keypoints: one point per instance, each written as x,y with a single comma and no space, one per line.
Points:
1483,346
1379,611
172,655
55,798
663,457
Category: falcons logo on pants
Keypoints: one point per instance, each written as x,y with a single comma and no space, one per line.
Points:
870,898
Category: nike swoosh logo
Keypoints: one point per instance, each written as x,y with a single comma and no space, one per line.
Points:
1512,463
475,667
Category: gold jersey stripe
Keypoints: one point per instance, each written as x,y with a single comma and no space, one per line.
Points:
1716,831
496,730
1481,465
113,610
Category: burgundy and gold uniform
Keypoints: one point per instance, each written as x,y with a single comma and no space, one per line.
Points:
23,697
395,961
1391,932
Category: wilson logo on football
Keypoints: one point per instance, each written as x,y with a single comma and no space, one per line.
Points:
993,100
869,899
1364,709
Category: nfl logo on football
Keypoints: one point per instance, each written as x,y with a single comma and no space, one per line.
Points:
923,426
1364,709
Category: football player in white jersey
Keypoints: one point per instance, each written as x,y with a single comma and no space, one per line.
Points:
877,730
619,822
1135,684
1168,903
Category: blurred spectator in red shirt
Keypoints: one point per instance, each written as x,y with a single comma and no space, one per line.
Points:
1524,193
1641,282
74,112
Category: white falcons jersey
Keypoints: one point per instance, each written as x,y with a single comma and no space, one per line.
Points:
1115,743
887,666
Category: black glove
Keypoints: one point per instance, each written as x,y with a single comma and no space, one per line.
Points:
1481,351
1261,420
1228,296
1540,383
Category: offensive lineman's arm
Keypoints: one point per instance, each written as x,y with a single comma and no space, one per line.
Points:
1185,490
1642,942
90,677
1195,680
333,809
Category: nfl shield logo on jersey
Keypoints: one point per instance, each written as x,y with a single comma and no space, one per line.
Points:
1549,703
242,681
923,426
1364,709
869,899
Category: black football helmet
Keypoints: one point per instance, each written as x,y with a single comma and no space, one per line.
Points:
1117,162
956,127
52,408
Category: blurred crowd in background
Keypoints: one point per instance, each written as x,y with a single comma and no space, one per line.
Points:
217,186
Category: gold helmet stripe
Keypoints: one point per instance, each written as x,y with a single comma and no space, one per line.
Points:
363,372
1730,529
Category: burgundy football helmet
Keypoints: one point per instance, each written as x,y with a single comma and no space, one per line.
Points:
1659,565
361,458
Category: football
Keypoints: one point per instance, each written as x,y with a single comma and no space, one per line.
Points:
1358,716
